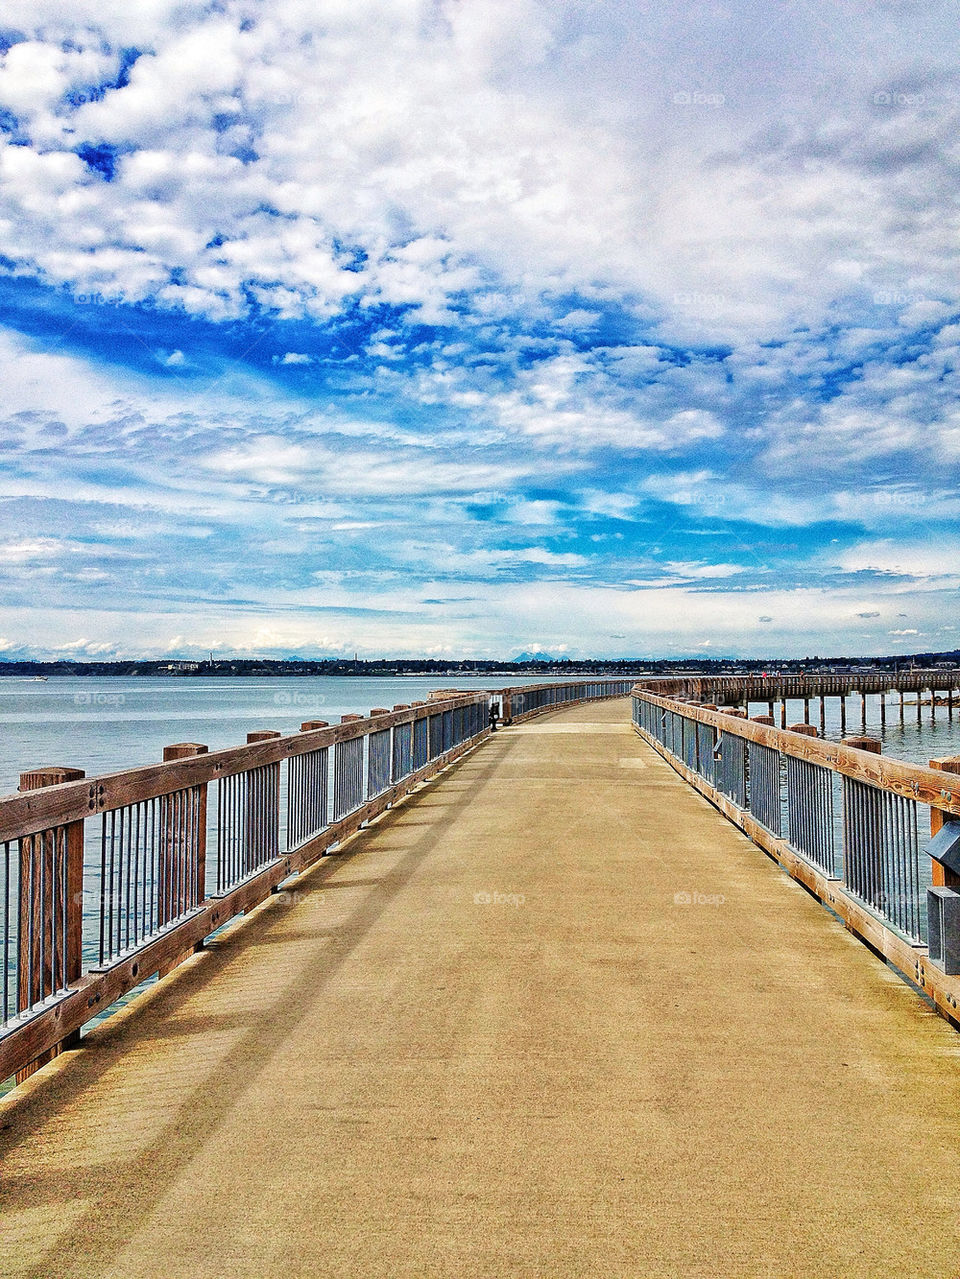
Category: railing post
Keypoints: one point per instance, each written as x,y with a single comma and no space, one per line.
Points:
174,855
942,876
309,724
870,744
50,907
808,730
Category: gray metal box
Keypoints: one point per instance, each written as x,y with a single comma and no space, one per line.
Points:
945,845
943,919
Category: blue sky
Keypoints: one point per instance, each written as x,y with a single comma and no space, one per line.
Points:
469,328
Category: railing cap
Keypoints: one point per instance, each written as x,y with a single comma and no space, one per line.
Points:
183,750
49,775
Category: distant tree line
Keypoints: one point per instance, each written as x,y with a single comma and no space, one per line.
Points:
440,666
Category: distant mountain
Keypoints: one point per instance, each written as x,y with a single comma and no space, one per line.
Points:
533,657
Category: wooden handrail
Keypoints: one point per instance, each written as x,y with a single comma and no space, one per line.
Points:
913,781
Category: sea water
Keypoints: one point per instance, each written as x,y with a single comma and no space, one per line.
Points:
104,725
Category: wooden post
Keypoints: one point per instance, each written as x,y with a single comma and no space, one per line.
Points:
175,893
883,710
806,710
864,744
823,715
251,799
941,876
783,713
808,730
843,713
863,712
50,911
402,706
900,691
309,724
379,710
919,705
349,719
763,719
770,710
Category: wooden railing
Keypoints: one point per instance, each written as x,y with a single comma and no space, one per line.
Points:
523,701
775,687
847,822
106,881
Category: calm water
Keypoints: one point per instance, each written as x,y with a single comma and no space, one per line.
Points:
101,725
931,738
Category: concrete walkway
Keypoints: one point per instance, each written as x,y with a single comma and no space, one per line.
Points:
554,1017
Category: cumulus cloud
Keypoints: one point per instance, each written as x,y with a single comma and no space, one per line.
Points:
520,292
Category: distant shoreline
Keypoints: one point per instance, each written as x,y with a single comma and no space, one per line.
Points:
525,667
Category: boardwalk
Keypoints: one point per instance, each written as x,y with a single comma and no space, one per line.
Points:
553,1016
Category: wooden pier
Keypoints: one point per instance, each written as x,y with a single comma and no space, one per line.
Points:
436,1001
552,1016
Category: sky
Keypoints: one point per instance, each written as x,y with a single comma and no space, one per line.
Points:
470,327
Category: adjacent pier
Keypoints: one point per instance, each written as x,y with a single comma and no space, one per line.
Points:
553,1015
